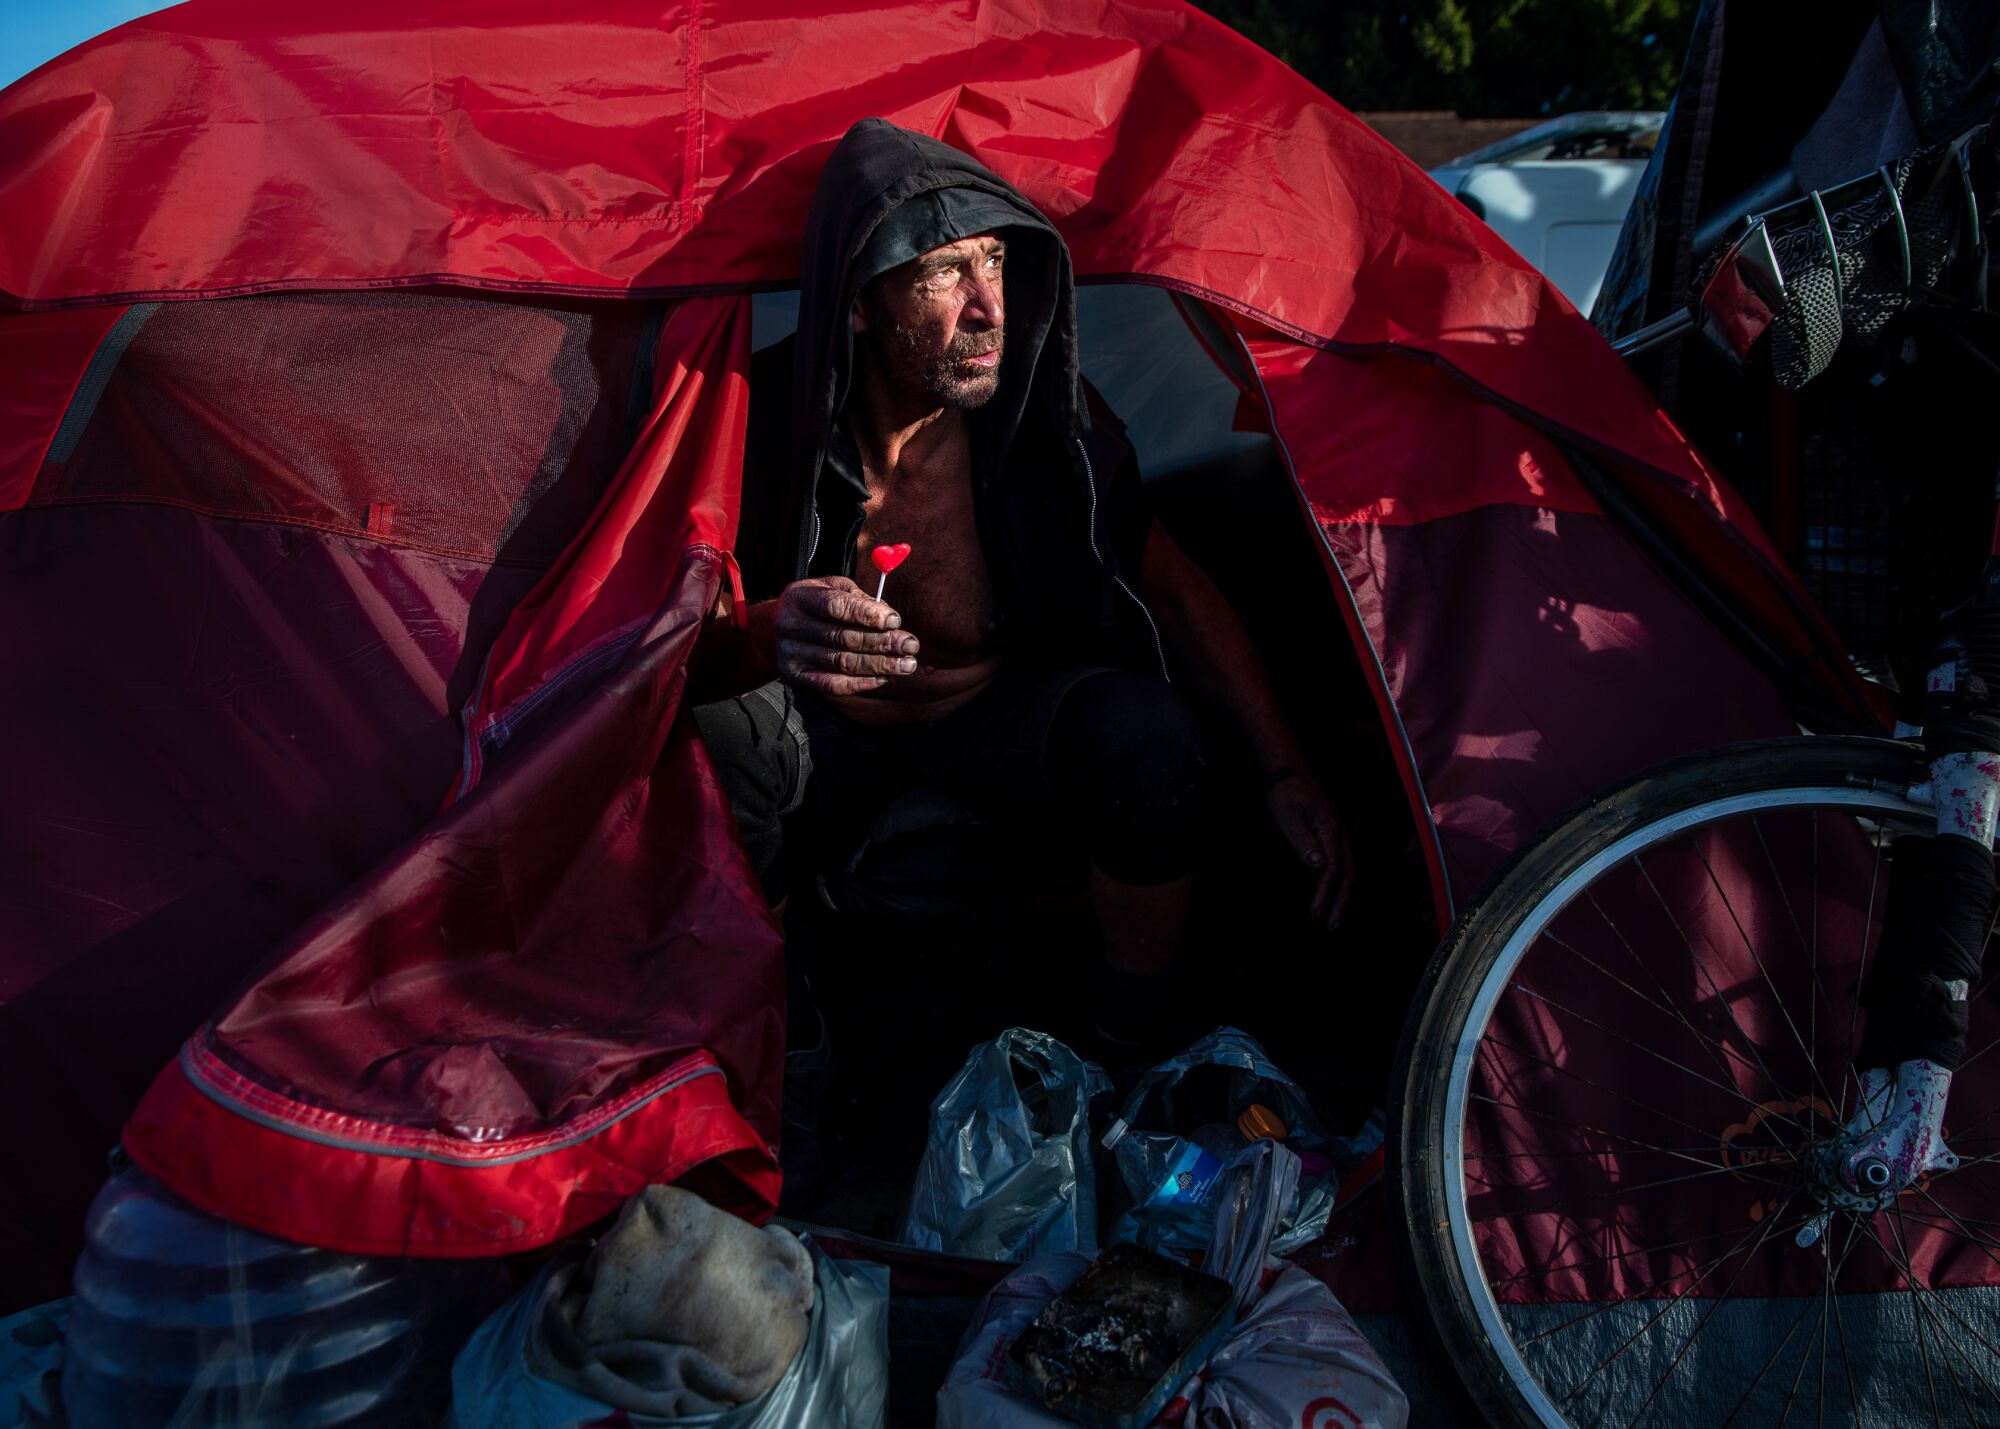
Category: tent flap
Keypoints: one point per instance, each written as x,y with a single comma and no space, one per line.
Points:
567,986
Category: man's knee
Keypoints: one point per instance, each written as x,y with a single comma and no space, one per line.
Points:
758,747
1126,755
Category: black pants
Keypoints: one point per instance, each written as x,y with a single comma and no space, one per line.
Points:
1098,758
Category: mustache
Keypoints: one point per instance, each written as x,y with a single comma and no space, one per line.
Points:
976,344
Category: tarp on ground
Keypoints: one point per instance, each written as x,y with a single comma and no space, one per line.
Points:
309,446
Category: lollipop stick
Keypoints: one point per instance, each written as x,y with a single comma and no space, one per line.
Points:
881,585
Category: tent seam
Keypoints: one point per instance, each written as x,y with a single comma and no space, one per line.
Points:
317,1124
1358,631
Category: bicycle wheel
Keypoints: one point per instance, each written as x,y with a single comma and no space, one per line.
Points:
1631,1042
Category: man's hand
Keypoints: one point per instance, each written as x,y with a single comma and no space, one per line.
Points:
1303,814
835,639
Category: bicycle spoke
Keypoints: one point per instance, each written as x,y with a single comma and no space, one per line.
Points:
1809,947
1943,1306
1766,1369
1841,1327
1769,1361
1827,1301
1958,1218
1939,1307
1620,1189
1570,1124
1984,1245
1861,967
1707,975
1702,1323
1522,987
1944,1222
1825,1306
1812,961
1909,1271
1711,1042
1777,999
1667,998
1798,1378
1630,1340
1685,1152
1980,989
1840,1324
1965,1133
1606,1260
1974,1057
1596,1085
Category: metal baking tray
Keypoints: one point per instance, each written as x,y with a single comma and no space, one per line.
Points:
1110,1351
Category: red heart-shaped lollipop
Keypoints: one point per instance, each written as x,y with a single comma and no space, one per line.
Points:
887,558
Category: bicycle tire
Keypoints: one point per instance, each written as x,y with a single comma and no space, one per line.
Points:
1448,1021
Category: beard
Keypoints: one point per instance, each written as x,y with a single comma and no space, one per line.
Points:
943,373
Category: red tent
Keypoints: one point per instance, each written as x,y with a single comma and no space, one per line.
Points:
348,616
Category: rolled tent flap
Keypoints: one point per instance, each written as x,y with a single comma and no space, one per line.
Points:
680,488
569,985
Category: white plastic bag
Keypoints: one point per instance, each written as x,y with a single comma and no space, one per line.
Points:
975,1393
840,1379
1253,1196
1297,1358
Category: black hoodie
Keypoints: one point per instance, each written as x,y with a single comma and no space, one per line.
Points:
1061,517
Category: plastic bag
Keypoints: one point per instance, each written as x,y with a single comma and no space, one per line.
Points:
1295,1358
975,1393
1007,1173
31,1362
1254,1194
181,1318
839,1380
1170,1178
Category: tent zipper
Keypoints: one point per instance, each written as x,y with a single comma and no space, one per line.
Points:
1090,483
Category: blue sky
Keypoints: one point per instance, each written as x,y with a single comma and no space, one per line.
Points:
33,32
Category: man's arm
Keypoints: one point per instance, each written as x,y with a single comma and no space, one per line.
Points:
825,634
731,659
1216,652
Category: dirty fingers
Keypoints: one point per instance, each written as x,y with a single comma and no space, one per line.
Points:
835,640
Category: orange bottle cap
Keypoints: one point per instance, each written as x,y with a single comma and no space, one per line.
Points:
1260,1123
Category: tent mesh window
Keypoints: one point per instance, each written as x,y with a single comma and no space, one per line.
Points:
472,426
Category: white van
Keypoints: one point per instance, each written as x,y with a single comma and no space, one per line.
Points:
1558,192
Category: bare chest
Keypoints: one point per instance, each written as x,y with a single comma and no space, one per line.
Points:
943,590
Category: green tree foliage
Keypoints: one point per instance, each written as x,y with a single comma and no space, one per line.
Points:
1499,58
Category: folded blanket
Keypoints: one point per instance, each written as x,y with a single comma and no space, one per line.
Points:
682,1309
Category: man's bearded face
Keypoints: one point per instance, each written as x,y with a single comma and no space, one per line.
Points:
936,325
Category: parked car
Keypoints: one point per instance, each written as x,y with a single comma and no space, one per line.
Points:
1558,192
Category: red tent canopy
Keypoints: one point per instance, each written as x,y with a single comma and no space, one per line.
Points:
257,558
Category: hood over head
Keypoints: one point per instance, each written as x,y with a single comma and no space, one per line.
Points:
886,196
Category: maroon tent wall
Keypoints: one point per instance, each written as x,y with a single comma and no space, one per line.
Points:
245,669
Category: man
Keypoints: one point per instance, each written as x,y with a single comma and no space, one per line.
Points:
1029,656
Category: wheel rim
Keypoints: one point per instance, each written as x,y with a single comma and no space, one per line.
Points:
1660,1291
